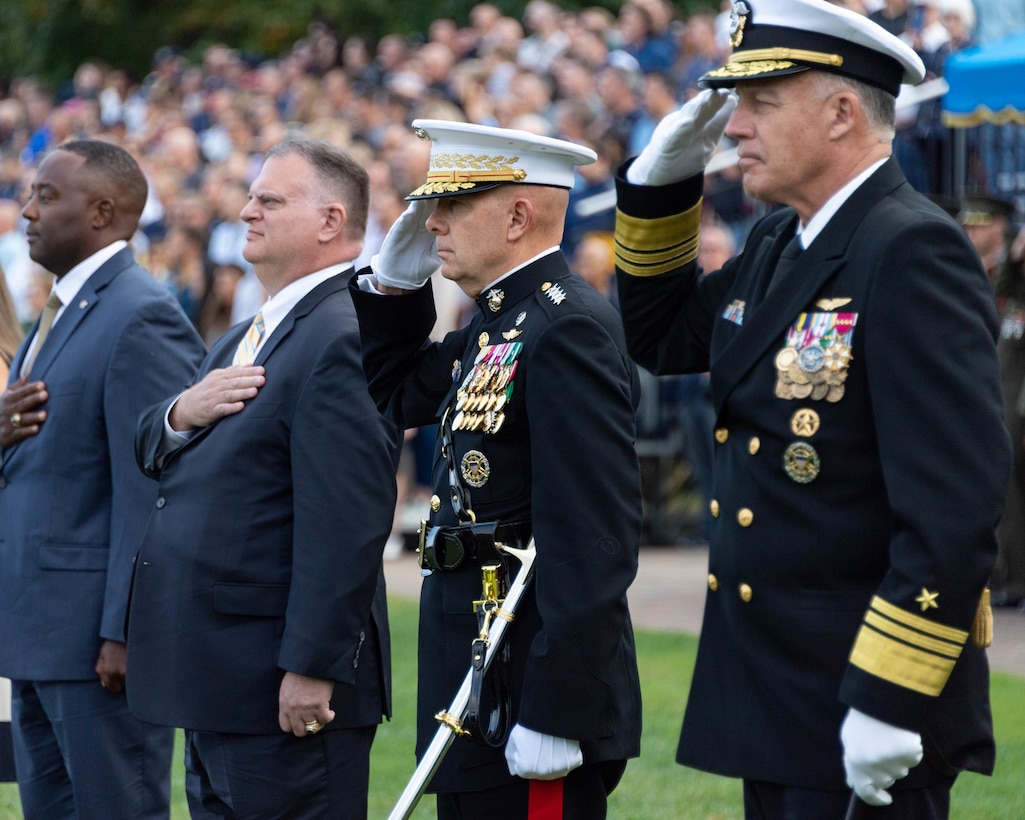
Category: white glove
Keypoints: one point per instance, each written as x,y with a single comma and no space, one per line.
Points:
876,755
408,255
534,756
684,141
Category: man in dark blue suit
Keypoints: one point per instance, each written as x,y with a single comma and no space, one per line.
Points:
72,502
258,612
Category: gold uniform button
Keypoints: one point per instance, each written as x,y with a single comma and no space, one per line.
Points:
713,507
746,593
721,434
713,583
435,503
745,517
754,445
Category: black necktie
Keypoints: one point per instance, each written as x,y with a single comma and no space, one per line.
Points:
791,252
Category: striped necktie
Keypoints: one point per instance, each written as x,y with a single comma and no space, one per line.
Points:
53,304
245,353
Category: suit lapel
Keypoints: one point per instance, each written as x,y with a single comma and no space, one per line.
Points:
302,309
81,304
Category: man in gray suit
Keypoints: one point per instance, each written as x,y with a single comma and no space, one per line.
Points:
72,502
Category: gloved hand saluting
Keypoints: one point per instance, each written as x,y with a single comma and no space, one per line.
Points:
876,755
408,256
684,141
534,756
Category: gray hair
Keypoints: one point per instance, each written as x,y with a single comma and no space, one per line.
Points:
341,176
880,106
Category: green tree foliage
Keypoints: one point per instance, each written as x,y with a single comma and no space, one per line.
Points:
50,38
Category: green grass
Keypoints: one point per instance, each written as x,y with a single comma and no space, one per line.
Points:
654,787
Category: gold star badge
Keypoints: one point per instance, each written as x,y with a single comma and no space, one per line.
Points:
928,599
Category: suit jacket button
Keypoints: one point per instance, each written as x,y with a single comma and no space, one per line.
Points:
754,445
745,517
746,593
161,502
713,583
721,434
713,507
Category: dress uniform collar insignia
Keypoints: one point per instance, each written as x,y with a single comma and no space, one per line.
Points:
495,297
554,292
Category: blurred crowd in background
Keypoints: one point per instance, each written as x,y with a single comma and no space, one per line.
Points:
200,127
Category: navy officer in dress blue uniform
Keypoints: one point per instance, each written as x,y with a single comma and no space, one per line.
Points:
536,398
860,456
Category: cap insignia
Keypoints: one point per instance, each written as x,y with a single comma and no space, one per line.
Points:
459,172
738,19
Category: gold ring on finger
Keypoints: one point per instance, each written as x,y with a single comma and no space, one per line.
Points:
313,726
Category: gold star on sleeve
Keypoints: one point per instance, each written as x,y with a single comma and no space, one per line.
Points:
927,600
906,648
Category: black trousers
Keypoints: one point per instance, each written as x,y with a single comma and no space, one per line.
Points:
580,795
273,777
771,801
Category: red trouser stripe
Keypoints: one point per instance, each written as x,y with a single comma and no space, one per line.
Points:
545,802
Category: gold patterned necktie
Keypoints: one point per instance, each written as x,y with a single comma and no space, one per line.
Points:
245,353
53,304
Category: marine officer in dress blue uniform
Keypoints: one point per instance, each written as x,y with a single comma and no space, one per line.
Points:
536,399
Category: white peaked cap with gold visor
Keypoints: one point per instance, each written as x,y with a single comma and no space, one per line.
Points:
773,38
466,158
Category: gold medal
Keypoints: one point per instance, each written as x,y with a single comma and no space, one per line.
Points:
802,391
836,377
786,357
796,375
835,393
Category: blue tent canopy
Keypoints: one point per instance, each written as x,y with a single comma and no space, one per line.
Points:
987,84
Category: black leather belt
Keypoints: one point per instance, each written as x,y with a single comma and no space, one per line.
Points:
448,548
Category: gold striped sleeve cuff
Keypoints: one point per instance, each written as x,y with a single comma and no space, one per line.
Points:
648,247
906,649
